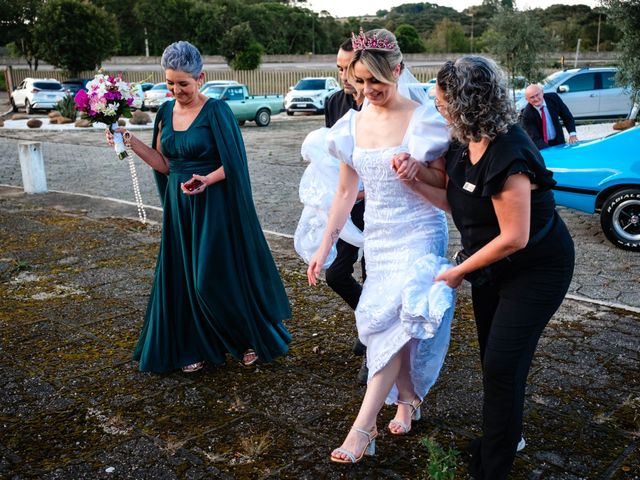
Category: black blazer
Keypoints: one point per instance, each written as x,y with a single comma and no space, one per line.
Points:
532,122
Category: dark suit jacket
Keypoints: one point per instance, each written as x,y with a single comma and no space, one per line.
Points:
532,122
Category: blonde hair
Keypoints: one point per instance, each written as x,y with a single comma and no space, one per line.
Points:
381,62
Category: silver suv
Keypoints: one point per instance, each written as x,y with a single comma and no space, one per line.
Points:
590,92
37,93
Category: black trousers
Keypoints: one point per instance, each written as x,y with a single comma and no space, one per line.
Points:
339,275
510,317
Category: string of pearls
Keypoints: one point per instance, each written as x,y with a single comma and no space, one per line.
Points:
142,214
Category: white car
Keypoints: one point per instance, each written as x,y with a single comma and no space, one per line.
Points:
156,96
310,94
590,93
37,93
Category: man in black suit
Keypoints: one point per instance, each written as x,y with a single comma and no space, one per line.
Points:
339,275
541,118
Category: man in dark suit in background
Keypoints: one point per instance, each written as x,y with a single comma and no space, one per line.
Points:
339,275
541,118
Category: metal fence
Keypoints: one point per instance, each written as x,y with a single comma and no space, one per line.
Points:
259,82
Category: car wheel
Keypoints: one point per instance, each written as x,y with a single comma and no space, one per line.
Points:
290,113
14,107
620,219
263,117
27,107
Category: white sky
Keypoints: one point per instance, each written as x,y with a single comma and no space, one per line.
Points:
354,8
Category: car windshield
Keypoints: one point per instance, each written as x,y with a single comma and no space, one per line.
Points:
213,92
553,79
159,86
47,85
310,84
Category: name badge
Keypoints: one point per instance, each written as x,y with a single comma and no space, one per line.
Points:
469,187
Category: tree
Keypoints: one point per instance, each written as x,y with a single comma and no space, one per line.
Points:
447,37
626,14
518,41
240,48
130,30
18,20
74,35
408,39
166,21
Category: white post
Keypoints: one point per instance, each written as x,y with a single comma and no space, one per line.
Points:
34,178
575,63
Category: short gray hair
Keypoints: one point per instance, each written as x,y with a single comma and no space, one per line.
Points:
182,56
477,96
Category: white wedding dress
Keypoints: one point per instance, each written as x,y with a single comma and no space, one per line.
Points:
405,241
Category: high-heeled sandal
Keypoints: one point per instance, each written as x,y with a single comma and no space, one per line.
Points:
249,358
369,449
194,367
416,414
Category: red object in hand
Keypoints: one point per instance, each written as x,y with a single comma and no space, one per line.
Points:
192,184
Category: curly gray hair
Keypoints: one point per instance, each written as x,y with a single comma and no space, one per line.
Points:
183,57
478,103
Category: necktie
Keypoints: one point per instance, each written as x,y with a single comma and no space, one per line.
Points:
545,135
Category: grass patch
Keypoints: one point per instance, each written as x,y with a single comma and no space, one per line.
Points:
442,464
3,82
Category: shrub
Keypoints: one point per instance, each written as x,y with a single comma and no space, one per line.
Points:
240,48
442,465
67,107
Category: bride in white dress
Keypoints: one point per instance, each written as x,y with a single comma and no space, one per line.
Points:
403,317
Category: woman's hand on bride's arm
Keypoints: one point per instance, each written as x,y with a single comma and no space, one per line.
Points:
452,277
405,166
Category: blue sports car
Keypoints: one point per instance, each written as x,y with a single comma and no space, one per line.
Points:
602,176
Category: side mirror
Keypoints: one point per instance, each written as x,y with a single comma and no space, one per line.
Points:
563,89
224,97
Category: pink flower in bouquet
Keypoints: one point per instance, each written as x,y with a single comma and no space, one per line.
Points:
81,99
106,99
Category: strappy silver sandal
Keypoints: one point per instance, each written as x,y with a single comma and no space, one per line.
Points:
194,367
369,449
416,414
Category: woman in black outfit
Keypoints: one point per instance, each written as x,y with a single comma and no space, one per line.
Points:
518,254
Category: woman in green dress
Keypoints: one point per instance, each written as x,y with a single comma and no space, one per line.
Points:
216,288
